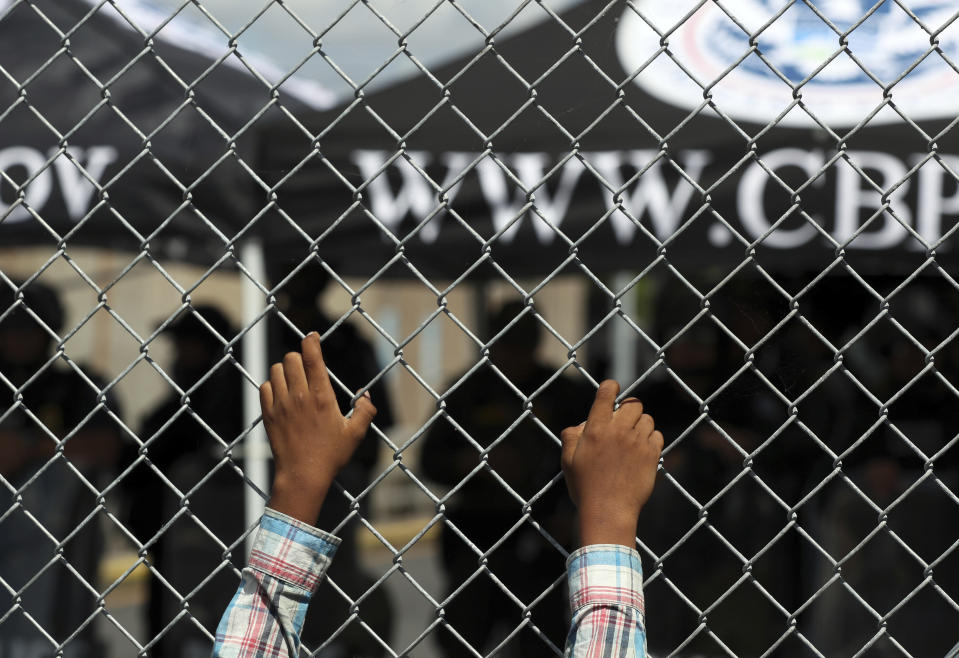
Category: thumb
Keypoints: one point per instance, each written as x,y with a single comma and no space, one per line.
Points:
570,439
363,413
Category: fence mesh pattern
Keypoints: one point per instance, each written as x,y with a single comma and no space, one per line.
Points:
778,526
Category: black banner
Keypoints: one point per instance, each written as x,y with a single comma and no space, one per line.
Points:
545,145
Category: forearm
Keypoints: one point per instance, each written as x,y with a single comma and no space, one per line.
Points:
601,522
606,597
300,498
311,442
265,617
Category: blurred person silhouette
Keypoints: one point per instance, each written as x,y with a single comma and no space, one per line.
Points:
706,453
58,489
900,466
833,416
184,448
351,358
483,408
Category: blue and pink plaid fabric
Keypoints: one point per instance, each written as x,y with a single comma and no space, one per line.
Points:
289,559
266,615
606,597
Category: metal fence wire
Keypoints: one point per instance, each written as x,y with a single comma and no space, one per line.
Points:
780,273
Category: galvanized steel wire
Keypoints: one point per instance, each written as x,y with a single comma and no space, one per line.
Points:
656,564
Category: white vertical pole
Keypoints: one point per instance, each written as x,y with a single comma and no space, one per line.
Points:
256,452
623,344
479,296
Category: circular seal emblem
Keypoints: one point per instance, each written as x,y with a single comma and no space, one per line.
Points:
798,53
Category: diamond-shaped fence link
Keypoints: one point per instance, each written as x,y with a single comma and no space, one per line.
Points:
742,210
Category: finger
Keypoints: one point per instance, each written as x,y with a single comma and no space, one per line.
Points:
656,438
278,382
266,398
602,408
294,373
313,363
629,412
645,425
363,414
570,439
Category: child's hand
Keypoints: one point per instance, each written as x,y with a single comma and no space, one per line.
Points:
610,467
310,438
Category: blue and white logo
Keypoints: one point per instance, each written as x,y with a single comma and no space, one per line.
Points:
798,49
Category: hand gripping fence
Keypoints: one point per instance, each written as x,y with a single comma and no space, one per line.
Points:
806,501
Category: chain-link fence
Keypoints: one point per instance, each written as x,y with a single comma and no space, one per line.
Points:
742,210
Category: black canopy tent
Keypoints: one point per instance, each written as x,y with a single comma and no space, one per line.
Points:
546,130
542,130
160,124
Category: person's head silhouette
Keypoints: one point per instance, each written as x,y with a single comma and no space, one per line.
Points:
28,330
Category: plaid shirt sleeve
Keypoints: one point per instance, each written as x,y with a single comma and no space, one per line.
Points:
266,615
606,597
